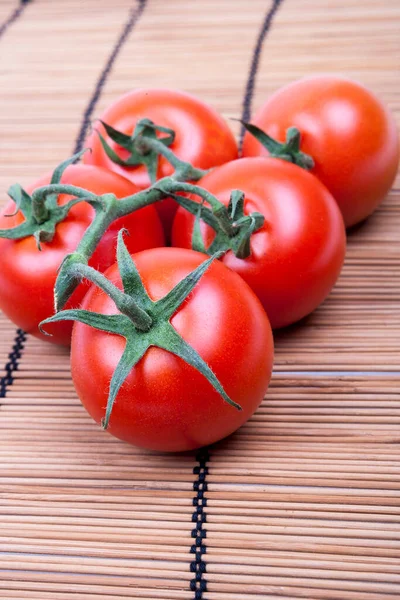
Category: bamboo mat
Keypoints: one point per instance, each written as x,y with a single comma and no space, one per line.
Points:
303,501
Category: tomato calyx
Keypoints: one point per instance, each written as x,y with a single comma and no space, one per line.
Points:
145,147
141,321
41,210
140,152
233,228
137,145
289,150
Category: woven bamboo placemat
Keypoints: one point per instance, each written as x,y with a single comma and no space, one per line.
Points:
303,501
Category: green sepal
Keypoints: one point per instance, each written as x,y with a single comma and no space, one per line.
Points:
108,323
120,138
23,201
241,242
168,305
273,146
175,344
236,205
197,238
289,150
131,280
67,279
23,230
51,199
132,161
59,170
135,349
160,334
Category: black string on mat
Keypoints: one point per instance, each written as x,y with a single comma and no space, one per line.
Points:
255,60
13,362
14,16
20,337
198,566
134,16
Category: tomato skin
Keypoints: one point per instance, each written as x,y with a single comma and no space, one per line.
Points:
27,275
203,138
165,404
297,255
350,134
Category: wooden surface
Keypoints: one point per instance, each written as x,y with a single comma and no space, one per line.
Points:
303,501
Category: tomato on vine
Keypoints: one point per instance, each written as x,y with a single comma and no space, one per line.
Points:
173,352
345,130
42,234
192,129
294,243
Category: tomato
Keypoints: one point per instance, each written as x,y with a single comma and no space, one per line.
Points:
349,133
296,256
27,275
202,136
166,404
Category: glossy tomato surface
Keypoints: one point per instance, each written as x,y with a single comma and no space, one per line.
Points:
347,130
165,404
203,138
27,275
297,255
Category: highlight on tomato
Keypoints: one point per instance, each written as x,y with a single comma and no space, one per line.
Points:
192,129
347,131
170,351
293,251
43,234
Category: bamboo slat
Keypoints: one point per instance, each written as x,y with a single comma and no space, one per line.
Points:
303,501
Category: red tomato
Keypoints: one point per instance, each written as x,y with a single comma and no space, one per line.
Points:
165,404
349,133
202,136
27,275
297,255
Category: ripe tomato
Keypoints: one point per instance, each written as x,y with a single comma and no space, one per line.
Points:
202,136
349,133
166,404
27,275
296,256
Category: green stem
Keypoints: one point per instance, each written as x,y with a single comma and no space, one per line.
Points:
125,304
218,208
121,208
183,170
95,231
39,195
114,210
109,209
180,186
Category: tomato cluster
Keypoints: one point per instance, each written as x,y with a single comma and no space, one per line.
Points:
171,351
